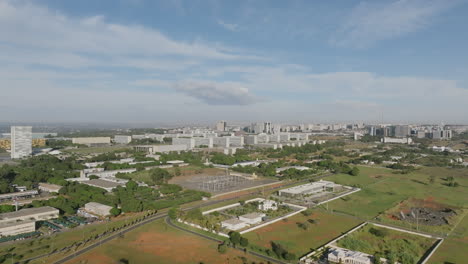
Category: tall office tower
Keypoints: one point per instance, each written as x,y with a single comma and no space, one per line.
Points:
21,141
221,126
402,131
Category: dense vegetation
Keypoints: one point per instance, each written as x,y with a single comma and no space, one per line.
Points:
30,172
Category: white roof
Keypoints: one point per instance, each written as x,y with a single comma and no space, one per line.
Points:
233,221
308,186
253,215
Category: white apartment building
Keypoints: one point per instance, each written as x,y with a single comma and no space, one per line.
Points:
21,142
122,139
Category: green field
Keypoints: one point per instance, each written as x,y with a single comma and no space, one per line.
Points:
381,189
454,249
404,247
298,240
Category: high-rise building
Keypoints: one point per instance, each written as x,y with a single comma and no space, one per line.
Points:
221,126
402,131
21,141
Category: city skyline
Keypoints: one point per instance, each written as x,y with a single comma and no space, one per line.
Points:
178,61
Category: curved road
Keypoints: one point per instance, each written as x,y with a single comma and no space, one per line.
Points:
162,215
273,260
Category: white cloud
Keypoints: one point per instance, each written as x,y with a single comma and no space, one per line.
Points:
215,93
370,22
228,26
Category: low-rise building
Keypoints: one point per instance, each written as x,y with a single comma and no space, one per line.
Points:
301,168
98,209
397,140
50,188
233,224
18,195
152,149
91,140
252,218
341,255
122,139
23,221
103,184
309,188
268,205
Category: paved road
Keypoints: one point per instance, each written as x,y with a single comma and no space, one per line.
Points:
159,216
273,260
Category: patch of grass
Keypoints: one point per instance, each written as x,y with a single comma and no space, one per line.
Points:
298,240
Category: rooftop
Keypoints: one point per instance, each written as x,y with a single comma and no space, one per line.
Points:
102,183
233,221
253,215
28,211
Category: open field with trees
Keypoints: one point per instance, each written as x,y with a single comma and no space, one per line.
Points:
301,233
382,190
390,244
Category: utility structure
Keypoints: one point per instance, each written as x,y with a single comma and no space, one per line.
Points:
220,183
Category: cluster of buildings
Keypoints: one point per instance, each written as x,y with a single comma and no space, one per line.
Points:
249,219
405,131
346,256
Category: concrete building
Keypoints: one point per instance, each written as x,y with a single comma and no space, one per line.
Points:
233,224
341,255
50,188
122,139
188,142
251,140
91,140
14,228
152,149
309,188
109,173
268,205
23,221
252,218
402,131
103,184
397,140
98,209
442,134
18,195
223,142
221,126
21,142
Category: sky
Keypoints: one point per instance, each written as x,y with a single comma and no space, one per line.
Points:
398,61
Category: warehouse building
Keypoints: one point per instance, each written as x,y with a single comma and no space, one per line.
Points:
309,188
98,209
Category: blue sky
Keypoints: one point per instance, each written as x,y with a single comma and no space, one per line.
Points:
189,61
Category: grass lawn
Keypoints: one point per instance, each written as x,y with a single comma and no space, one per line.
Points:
454,248
160,243
370,239
381,189
298,240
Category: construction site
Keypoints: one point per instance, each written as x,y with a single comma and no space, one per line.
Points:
224,181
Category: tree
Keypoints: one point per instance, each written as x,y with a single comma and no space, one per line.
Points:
244,242
222,248
234,237
431,179
173,213
354,171
115,211
177,171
